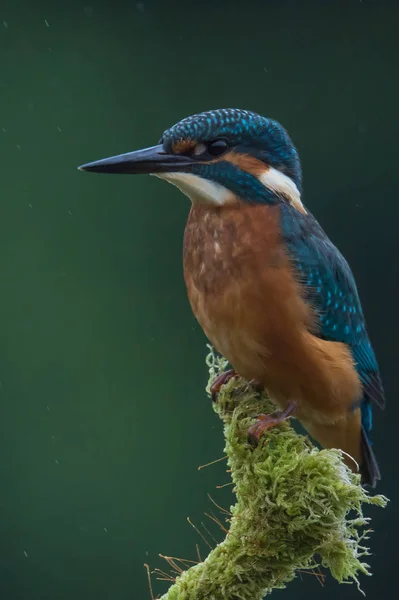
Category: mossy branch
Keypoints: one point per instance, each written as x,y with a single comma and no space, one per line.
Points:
297,507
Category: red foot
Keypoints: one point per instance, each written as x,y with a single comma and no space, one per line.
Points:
264,422
220,380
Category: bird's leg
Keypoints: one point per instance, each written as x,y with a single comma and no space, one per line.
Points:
220,380
264,422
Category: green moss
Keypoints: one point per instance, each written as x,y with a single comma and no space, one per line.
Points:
297,507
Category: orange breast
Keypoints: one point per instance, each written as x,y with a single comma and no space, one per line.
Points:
243,292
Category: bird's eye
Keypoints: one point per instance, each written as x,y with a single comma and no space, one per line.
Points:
217,147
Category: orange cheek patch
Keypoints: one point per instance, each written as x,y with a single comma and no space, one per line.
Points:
181,146
245,162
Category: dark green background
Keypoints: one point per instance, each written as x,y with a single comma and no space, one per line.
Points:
103,414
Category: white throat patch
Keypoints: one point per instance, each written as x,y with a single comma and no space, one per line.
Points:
199,190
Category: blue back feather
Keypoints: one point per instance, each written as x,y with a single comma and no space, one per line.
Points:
331,289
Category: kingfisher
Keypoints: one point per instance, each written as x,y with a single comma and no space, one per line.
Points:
270,290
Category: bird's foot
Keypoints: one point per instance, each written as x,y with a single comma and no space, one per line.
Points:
264,422
220,380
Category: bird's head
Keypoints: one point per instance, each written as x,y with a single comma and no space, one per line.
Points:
220,157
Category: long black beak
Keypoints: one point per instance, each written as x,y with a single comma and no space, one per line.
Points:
149,160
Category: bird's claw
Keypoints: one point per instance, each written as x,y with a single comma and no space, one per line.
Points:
262,424
220,380
265,422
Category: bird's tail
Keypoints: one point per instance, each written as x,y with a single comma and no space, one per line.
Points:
368,467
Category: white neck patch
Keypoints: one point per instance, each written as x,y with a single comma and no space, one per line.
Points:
282,185
199,190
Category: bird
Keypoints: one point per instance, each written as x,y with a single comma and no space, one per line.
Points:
270,290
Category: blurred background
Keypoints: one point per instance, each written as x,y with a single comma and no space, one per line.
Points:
103,415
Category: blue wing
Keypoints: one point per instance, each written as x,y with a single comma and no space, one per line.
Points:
331,290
